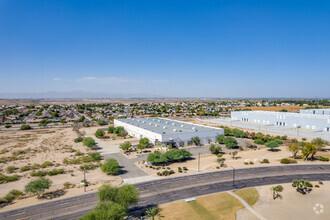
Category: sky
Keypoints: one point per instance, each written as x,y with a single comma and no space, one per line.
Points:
179,48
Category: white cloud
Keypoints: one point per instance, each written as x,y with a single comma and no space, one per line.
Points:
57,79
108,80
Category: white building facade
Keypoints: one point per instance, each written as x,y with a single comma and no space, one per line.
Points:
168,130
314,122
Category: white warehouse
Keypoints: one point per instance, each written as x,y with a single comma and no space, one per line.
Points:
168,130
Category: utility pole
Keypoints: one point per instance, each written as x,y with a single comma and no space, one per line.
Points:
84,180
199,161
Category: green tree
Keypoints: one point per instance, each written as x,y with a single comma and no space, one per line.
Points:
99,133
110,166
126,146
272,145
143,143
221,139
319,143
196,141
294,148
106,211
89,142
230,142
301,185
152,212
308,149
111,129
276,190
233,154
37,187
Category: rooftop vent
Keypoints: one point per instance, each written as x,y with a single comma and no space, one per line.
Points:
143,122
182,126
164,127
166,122
156,125
153,119
150,123
173,123
174,129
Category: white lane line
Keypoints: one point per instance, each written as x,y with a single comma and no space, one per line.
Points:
247,205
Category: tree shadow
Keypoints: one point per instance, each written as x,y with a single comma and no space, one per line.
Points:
274,150
53,194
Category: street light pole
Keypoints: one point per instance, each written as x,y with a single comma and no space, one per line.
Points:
199,160
233,176
84,180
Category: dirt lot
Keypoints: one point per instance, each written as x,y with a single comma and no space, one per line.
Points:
293,205
27,148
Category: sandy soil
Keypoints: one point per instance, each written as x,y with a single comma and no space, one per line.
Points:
293,205
273,108
38,146
208,162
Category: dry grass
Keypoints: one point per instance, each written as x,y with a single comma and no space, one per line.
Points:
274,108
216,206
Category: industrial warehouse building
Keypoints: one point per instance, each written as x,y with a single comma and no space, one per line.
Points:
321,111
168,131
313,119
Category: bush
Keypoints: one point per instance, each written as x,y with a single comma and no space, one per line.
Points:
11,169
317,186
99,133
78,139
324,159
95,156
39,173
25,168
246,163
88,167
110,166
111,129
240,148
258,141
7,126
272,145
89,142
25,127
54,172
46,164
6,179
79,153
264,161
68,185
287,161
251,163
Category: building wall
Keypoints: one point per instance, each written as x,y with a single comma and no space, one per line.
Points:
316,111
285,119
138,132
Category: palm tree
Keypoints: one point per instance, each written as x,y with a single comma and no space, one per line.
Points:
152,212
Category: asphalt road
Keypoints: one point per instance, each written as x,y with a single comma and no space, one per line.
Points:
176,188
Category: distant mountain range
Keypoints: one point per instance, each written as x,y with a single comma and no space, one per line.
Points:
73,95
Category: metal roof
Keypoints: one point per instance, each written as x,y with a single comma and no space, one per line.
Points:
167,126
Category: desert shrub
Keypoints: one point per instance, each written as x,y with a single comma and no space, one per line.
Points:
99,133
320,182
317,186
9,197
72,161
246,163
46,164
7,126
13,194
11,169
54,172
110,166
287,161
251,163
3,151
78,139
111,129
25,127
89,142
240,148
25,168
95,156
68,185
88,167
324,159
258,141
166,172
284,137
264,161
35,166
39,173
184,168
6,179
79,153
